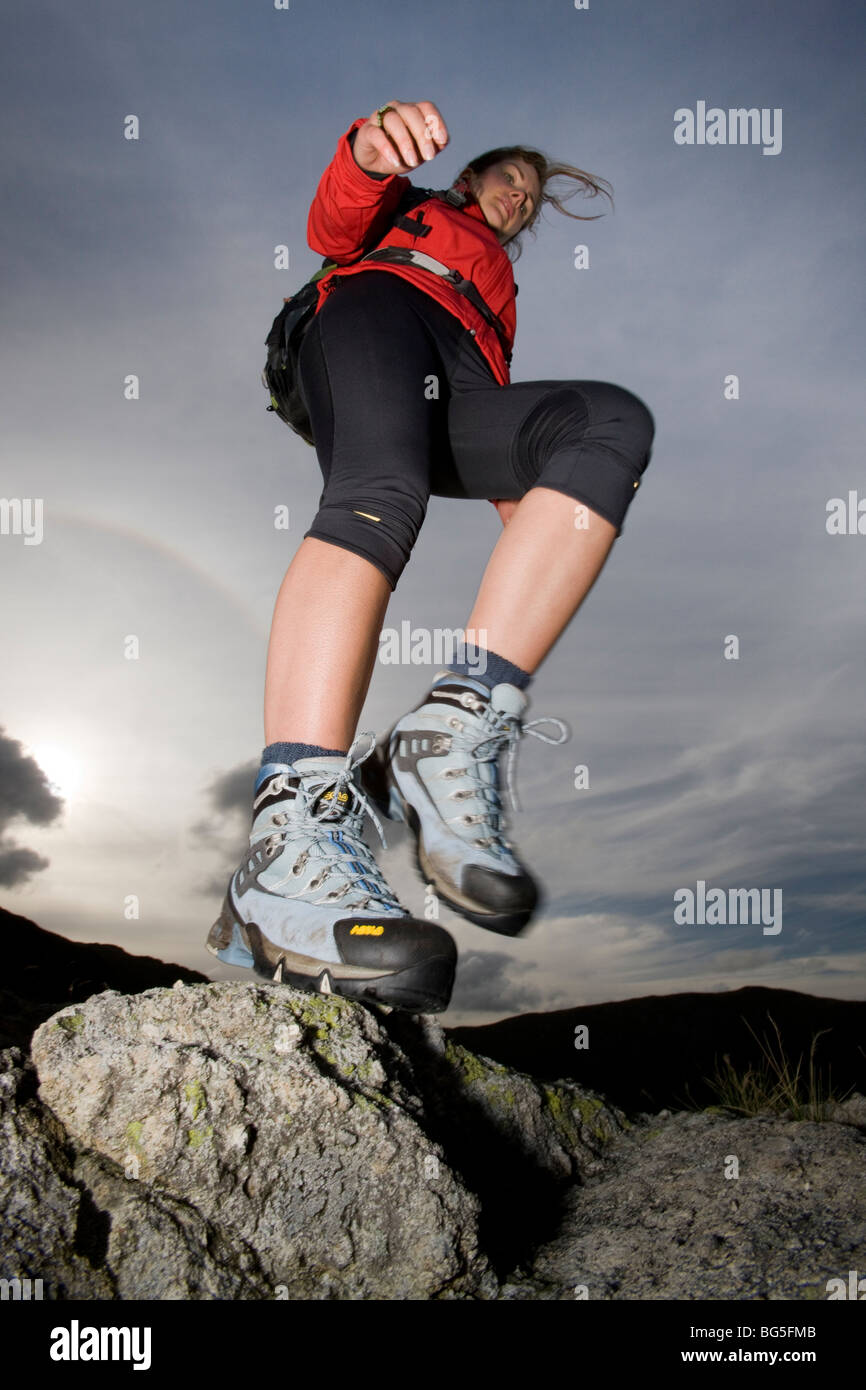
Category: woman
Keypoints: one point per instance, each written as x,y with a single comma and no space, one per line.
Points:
405,374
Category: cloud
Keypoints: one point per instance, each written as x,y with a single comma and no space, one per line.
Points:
773,799
18,864
25,793
224,831
233,790
485,983
230,797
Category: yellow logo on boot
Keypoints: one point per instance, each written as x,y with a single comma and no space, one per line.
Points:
366,929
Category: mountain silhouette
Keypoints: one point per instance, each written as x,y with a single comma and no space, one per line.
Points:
659,1051
44,972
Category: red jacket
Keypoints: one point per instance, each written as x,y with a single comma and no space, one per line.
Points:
350,215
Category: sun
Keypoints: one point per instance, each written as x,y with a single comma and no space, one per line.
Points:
62,769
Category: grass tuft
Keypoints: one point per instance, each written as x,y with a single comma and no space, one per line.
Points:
778,1085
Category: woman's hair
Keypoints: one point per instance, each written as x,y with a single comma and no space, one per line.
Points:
547,170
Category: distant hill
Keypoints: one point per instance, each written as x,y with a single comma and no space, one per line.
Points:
655,1052
43,972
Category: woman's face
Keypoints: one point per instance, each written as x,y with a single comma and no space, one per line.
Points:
508,194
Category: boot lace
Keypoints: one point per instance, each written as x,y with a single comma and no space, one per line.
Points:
337,849
505,732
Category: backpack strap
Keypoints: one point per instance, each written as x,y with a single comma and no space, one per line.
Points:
406,255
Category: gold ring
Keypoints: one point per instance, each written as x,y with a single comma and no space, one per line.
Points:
382,111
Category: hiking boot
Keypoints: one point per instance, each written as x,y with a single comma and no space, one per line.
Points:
437,768
309,905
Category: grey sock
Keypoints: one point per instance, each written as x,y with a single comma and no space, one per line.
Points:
497,671
290,752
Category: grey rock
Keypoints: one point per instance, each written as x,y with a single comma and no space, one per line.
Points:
664,1221
159,1248
43,1210
74,1220
279,1118
850,1112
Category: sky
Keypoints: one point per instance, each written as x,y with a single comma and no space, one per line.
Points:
127,764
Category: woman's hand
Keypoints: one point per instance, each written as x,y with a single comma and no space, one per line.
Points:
410,133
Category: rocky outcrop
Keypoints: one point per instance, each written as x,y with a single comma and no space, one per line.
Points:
268,1143
248,1141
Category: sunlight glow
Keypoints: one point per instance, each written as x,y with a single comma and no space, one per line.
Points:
61,768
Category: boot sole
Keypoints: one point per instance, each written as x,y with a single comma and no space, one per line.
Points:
422,988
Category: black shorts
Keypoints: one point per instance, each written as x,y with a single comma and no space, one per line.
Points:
404,406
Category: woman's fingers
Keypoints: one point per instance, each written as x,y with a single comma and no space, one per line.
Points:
416,131
410,133
421,127
397,128
374,151
436,127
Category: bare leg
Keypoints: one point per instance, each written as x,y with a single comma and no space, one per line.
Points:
323,644
539,573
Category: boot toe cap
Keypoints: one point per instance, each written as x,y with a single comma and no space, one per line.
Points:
500,892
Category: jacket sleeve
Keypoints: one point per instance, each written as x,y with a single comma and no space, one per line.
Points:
352,209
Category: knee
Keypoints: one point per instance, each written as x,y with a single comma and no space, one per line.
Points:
637,425
382,530
590,416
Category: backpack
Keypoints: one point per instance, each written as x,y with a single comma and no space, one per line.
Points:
280,373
